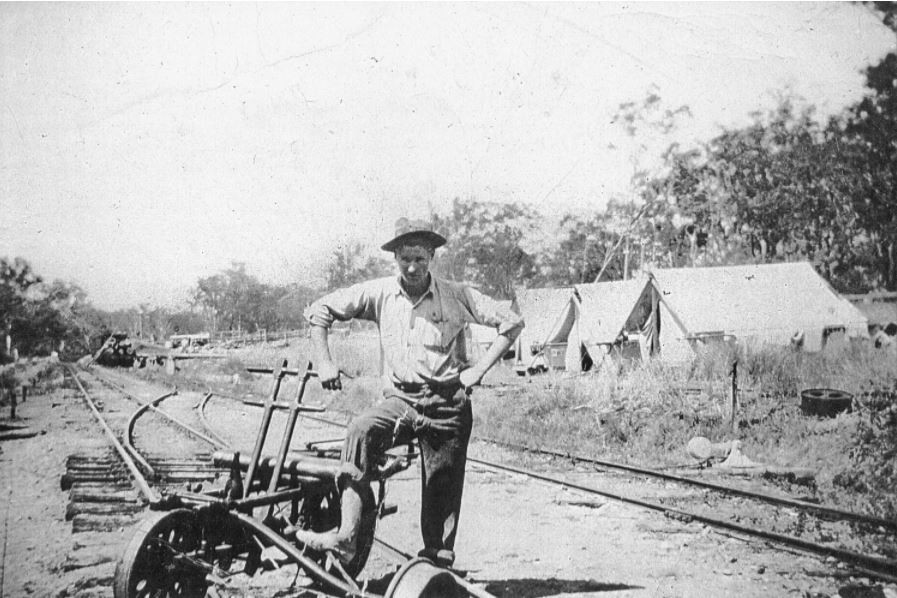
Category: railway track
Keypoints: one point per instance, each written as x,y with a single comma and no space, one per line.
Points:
837,535
153,446
825,529
139,454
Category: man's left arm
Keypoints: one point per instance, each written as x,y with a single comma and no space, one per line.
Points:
489,312
474,374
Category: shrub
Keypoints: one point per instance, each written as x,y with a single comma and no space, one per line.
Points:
8,379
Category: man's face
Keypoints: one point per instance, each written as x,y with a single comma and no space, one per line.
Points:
414,263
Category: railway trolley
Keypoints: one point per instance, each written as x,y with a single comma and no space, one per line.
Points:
192,542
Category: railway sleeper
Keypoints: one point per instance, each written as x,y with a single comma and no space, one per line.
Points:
101,508
186,476
94,471
67,480
93,464
82,460
167,467
93,558
196,458
112,496
121,485
87,522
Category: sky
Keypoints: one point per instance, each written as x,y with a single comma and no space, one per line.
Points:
146,145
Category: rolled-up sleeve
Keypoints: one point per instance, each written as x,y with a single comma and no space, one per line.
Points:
489,312
355,302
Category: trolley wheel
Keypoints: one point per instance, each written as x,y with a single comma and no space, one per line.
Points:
171,554
320,512
151,564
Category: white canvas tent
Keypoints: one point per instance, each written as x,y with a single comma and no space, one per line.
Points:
618,315
777,304
550,327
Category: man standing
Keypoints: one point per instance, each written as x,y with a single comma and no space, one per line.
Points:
427,380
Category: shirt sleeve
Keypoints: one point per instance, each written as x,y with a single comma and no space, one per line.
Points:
356,302
489,312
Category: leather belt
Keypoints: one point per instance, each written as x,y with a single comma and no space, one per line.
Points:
416,387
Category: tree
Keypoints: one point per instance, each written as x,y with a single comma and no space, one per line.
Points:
868,136
236,300
485,245
779,189
40,317
292,303
351,263
587,247
649,125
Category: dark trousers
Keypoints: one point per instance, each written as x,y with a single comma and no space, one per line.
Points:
443,456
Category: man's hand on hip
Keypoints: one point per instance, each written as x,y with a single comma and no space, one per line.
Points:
328,372
470,377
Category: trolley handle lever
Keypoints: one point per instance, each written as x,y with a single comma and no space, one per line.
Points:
291,372
285,406
285,371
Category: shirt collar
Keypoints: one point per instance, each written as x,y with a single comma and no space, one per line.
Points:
398,290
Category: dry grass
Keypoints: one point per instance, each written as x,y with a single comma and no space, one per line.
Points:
645,413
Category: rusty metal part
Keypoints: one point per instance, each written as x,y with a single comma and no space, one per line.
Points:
139,480
420,578
284,406
317,467
311,445
472,589
278,375
287,437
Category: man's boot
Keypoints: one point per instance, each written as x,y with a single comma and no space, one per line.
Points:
342,541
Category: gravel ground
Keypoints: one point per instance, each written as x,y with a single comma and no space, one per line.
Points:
518,537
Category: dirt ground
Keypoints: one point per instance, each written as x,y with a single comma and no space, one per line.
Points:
518,537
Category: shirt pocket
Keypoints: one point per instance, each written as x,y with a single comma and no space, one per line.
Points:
437,335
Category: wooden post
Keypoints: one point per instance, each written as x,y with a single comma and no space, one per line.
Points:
12,403
733,396
24,393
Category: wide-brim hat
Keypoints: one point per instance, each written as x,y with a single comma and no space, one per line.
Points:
418,231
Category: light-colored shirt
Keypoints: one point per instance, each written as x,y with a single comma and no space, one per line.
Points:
423,340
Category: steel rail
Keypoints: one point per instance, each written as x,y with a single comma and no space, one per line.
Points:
205,422
129,443
152,405
144,405
139,480
791,502
882,567
873,566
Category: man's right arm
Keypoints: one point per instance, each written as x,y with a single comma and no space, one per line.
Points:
328,371
358,301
